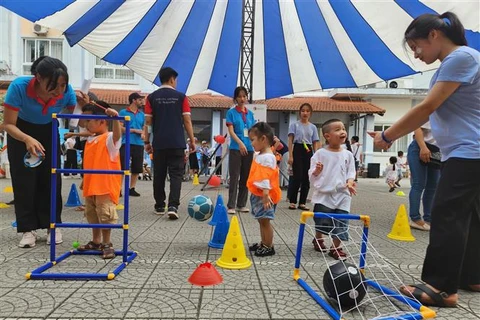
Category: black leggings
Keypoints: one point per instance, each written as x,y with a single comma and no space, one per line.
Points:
32,186
453,253
301,164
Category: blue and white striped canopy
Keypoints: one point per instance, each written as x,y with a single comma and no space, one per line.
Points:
299,45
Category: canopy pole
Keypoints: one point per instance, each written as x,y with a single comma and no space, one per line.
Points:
246,72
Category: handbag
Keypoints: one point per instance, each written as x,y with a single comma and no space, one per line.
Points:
435,157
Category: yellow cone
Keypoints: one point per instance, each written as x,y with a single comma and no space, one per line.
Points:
401,193
233,253
120,207
195,180
401,229
8,190
4,205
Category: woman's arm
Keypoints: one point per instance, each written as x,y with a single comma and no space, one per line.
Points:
290,149
416,116
233,135
425,153
10,120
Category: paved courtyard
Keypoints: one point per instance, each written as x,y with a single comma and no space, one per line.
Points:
155,286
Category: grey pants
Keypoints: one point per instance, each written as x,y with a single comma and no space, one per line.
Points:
238,168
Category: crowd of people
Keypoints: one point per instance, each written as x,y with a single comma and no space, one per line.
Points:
444,159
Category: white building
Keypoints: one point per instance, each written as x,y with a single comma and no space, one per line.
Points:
373,108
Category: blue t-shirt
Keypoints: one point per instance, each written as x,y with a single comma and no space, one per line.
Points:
456,123
137,120
307,133
241,123
21,97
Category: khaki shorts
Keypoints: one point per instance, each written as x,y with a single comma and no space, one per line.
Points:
100,209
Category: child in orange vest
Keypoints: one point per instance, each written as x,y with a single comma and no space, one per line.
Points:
101,191
263,182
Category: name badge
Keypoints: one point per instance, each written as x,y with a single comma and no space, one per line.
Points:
245,132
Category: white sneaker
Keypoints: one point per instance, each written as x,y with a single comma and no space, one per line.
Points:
231,211
58,237
29,240
243,209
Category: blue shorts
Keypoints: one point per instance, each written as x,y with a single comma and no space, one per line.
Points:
336,228
258,211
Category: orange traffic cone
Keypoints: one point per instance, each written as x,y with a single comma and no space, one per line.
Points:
205,275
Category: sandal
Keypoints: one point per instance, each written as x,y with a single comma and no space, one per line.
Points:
90,246
107,251
435,299
303,207
292,206
419,225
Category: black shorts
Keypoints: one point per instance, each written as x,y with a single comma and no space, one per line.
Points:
136,155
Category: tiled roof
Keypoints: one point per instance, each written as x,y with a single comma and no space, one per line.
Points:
319,104
322,104
208,101
114,97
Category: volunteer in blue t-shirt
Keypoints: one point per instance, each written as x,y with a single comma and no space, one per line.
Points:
453,107
29,104
137,121
239,121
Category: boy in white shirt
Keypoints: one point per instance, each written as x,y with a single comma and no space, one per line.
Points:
332,174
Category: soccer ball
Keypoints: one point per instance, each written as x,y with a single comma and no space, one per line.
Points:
345,284
200,208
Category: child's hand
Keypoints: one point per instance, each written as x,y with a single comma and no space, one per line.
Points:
267,202
318,168
111,112
351,187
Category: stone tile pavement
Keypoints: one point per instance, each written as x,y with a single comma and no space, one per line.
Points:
155,285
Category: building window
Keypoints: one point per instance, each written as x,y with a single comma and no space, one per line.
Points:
35,48
109,71
398,145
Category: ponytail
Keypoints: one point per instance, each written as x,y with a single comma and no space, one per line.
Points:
448,23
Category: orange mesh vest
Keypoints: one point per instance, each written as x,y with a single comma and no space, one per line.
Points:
259,173
97,158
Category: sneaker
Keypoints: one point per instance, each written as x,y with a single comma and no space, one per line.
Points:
159,211
318,245
29,240
133,193
231,211
58,237
397,184
254,247
172,213
391,189
337,254
264,251
11,202
243,209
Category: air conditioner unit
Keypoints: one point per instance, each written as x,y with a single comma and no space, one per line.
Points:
393,84
39,29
